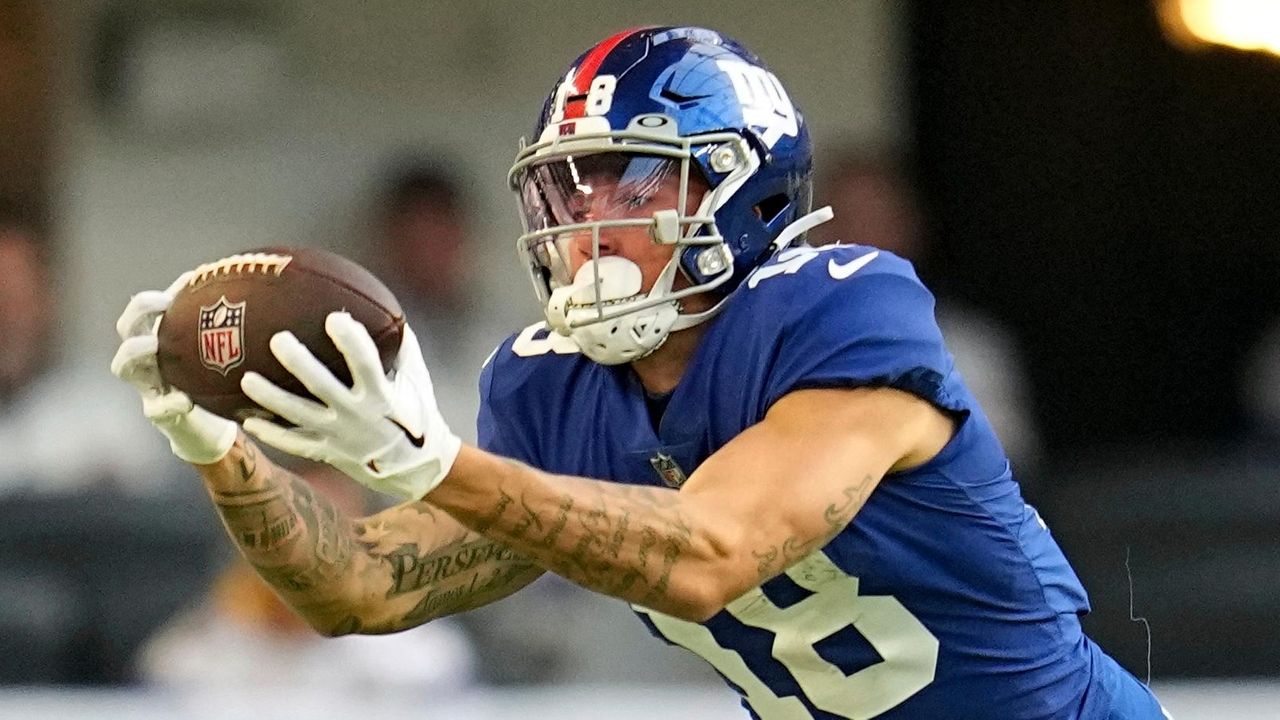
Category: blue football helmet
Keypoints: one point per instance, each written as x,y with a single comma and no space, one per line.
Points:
645,105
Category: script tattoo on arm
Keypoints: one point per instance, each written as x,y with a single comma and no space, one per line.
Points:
622,540
465,571
393,570
776,558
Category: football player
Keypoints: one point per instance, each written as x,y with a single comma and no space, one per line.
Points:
762,446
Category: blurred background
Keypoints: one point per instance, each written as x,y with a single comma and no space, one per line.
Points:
1090,188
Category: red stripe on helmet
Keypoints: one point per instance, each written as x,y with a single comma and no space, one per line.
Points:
586,72
575,109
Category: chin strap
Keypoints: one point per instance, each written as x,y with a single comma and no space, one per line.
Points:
788,234
802,226
685,321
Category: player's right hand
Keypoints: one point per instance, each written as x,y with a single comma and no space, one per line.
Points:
386,433
195,434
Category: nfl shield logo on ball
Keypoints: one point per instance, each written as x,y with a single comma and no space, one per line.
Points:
222,335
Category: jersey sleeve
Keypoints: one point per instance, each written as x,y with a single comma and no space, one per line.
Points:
875,330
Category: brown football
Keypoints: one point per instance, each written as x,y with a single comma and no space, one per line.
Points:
221,321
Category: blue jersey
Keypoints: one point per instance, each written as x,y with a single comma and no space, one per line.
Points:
945,597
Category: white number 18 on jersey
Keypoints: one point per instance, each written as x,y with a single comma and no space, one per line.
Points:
908,650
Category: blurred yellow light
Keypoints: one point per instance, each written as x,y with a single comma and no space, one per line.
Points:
1243,24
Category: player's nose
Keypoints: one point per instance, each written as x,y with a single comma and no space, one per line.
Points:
584,243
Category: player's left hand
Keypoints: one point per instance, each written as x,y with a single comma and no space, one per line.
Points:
385,432
195,434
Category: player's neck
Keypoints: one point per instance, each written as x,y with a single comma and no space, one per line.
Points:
661,370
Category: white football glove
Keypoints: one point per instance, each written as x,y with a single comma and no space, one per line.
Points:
385,432
195,434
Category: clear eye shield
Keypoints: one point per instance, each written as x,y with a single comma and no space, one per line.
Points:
568,200
606,186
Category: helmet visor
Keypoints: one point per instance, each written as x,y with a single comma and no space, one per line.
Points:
569,190
574,196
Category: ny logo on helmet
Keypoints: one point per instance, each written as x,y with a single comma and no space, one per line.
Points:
221,335
765,104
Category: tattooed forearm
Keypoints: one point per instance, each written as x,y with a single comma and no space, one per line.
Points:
399,568
648,538
562,519
248,461
504,501
529,520
349,624
468,593
675,545
461,574
619,535
295,537
627,541
412,571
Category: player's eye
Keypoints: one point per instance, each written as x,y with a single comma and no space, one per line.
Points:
578,205
637,201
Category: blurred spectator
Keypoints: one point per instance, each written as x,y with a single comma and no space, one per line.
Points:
875,204
242,635
425,252
65,423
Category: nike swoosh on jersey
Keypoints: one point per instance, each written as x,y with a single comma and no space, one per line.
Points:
416,438
840,271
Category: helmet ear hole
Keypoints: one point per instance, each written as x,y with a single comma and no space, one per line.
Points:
769,208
